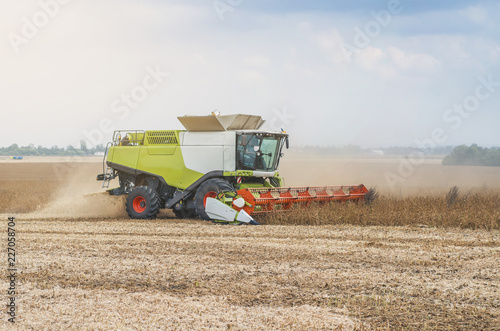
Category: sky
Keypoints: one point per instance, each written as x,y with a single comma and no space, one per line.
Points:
331,73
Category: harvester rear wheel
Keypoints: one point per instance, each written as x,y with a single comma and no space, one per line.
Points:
143,203
209,189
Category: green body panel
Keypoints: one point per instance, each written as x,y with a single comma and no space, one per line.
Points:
254,185
281,181
157,153
239,173
161,150
249,173
243,173
169,165
126,156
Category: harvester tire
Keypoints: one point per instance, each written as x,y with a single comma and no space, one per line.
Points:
143,203
209,189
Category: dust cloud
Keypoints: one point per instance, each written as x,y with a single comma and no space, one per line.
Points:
79,195
386,174
68,188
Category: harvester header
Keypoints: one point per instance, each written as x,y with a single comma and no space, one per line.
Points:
220,168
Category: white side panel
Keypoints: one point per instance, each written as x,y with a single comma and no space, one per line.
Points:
203,158
230,139
229,158
205,138
209,151
181,137
230,151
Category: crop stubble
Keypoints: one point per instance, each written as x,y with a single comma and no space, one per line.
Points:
85,266
166,273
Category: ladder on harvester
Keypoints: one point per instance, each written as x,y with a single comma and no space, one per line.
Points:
108,176
109,173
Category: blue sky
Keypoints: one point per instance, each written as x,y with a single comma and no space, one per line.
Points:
329,72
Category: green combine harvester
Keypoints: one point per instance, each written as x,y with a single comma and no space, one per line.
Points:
221,168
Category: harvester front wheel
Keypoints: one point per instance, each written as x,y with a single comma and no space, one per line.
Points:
209,189
143,203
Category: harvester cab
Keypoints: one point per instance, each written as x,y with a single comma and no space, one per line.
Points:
221,168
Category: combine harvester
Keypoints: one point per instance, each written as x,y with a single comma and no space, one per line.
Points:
221,168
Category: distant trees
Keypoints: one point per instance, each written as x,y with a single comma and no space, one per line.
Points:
357,150
407,150
331,150
83,146
473,155
31,150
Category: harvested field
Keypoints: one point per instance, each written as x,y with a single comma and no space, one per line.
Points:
61,189
411,260
176,275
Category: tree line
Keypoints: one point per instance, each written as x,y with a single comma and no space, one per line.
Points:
473,155
31,150
357,150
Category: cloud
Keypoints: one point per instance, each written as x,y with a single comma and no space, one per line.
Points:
476,14
266,54
329,40
412,62
375,60
355,7
252,76
258,61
